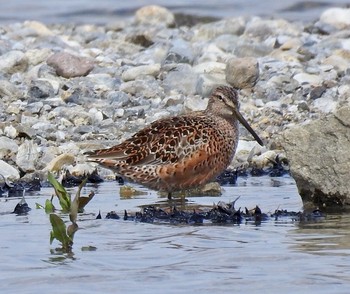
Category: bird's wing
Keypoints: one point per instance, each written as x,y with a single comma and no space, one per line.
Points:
163,142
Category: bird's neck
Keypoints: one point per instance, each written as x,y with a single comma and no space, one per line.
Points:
221,113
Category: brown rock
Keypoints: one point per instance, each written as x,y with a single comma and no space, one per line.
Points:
69,66
242,72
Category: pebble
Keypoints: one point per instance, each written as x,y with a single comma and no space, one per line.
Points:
233,26
195,103
134,72
182,78
317,92
7,146
69,66
337,17
9,90
40,89
13,61
179,52
8,172
242,72
27,156
10,132
154,15
304,78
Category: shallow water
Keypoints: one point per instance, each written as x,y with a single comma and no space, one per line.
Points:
130,257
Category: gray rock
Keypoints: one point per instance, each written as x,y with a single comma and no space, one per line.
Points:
210,68
195,103
69,66
252,49
179,52
13,61
233,26
134,72
317,92
40,89
304,78
10,90
325,104
10,131
303,106
102,82
182,78
7,146
207,82
37,56
27,156
8,172
242,72
337,17
35,107
262,29
147,87
118,98
154,15
319,157
38,28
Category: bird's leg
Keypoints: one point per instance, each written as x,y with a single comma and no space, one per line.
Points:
169,196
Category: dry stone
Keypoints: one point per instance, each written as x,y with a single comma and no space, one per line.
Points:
319,156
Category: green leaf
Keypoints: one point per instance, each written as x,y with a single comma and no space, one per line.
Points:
52,237
49,208
38,206
61,193
59,232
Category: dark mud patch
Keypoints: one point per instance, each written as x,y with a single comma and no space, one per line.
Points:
220,213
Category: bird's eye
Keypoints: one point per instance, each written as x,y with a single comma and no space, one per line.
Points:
220,97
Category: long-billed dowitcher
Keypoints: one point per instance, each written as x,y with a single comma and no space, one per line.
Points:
180,152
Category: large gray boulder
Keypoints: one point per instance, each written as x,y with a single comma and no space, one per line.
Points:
319,157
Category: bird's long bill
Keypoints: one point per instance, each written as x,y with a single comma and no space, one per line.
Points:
248,127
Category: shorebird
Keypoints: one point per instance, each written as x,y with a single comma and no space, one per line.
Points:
180,152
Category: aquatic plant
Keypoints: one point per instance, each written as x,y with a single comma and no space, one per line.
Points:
65,234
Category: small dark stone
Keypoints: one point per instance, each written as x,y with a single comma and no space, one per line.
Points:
317,92
141,40
71,181
188,20
228,176
112,215
21,208
120,180
40,89
94,177
257,172
196,218
33,185
17,190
